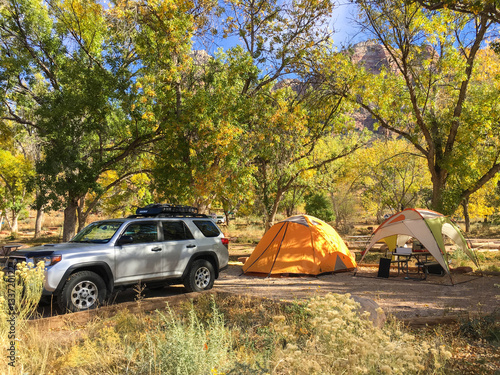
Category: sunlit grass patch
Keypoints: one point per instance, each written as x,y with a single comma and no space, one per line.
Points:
488,260
229,334
343,341
244,231
20,292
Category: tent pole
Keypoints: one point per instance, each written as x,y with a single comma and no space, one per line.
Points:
363,256
279,249
267,248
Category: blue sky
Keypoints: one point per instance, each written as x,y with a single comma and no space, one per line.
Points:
342,21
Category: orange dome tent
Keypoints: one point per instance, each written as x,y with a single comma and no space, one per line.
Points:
300,245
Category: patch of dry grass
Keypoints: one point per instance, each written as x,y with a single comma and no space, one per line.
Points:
484,230
488,260
244,335
244,230
474,343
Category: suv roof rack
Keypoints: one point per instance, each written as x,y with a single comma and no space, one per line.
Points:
167,210
178,214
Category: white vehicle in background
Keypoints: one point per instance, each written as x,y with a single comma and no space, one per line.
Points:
220,219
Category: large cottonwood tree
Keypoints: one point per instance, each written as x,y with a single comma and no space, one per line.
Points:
83,76
287,119
239,123
427,93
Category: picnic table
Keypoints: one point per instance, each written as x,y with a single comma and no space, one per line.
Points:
358,242
403,258
9,248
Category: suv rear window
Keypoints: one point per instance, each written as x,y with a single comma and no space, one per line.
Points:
175,231
207,227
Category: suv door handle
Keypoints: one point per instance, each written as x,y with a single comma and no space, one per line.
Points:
156,249
190,246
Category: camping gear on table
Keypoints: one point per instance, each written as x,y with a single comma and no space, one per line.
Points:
300,245
426,226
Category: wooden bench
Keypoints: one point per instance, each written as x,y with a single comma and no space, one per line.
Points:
357,242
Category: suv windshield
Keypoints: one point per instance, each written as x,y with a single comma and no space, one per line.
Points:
99,232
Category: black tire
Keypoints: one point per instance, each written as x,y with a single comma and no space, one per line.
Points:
201,276
83,290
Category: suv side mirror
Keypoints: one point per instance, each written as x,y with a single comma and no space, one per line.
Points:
123,240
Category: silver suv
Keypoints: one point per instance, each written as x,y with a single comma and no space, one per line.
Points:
156,248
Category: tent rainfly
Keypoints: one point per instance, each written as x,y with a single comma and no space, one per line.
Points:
300,245
428,227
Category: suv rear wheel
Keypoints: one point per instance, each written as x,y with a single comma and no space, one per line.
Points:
83,290
201,276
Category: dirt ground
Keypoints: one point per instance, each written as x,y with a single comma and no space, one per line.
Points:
403,298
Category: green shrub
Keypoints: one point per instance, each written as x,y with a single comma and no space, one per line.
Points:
319,206
178,347
486,327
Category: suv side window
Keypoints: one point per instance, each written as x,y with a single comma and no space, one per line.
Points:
142,232
176,231
207,227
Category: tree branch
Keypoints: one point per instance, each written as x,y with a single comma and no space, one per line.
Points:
464,86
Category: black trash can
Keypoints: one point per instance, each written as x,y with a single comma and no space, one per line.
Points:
384,267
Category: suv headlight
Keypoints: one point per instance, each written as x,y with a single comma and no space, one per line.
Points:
48,260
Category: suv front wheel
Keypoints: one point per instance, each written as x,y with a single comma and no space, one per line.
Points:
83,290
201,276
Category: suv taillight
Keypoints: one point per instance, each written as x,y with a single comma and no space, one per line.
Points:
225,242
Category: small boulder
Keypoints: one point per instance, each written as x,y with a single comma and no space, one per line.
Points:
377,315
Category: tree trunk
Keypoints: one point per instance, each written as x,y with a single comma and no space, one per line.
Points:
14,223
39,222
7,221
82,215
465,205
203,206
379,217
336,210
271,215
438,184
70,219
